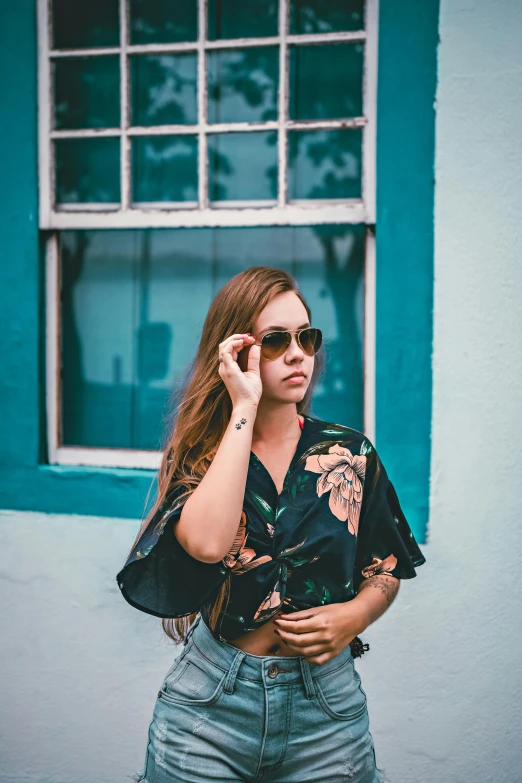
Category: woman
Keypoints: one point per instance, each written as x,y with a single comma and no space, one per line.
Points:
276,538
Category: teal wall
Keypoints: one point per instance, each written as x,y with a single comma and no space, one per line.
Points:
408,39
405,154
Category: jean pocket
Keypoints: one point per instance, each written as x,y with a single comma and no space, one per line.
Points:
340,694
194,681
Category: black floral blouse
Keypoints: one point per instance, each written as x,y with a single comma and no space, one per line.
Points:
336,522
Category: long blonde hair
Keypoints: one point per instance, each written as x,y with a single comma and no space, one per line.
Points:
196,427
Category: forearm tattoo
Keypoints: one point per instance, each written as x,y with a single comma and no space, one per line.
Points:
388,585
238,426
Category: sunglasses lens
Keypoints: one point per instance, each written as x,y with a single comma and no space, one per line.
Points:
274,344
311,340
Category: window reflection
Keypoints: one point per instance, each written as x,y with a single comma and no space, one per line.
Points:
85,23
164,168
133,306
246,19
324,164
326,81
164,89
326,16
242,166
242,85
87,170
163,21
87,92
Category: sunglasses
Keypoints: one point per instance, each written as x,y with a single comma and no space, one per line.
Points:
274,344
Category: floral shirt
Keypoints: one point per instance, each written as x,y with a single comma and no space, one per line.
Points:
336,522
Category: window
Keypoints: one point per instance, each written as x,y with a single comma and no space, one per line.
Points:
179,144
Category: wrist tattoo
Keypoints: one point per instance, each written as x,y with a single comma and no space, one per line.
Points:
387,586
238,426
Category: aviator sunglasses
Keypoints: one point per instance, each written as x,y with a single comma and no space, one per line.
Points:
274,344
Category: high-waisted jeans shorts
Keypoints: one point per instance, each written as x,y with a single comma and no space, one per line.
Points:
223,715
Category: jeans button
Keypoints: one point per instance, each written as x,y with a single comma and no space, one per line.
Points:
273,670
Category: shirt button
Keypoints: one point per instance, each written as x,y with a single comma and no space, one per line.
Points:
273,670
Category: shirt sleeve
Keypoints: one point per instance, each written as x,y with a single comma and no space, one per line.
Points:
385,542
159,576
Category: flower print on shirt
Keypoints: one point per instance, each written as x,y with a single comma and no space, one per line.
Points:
270,605
342,474
378,566
241,558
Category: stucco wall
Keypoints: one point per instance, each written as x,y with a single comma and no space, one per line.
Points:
80,669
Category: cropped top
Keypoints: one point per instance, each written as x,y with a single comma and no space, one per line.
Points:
337,521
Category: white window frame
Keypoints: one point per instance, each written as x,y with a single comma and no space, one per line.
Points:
202,213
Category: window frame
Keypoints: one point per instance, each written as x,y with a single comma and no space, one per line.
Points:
235,214
203,214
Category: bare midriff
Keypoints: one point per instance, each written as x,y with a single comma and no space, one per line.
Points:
263,641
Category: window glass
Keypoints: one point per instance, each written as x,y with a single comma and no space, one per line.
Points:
164,168
85,23
164,89
324,164
87,92
87,170
246,19
326,81
242,166
133,305
326,16
163,21
160,90
242,84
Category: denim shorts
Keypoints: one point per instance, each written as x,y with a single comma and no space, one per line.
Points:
223,715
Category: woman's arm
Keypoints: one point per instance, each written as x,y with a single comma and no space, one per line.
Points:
210,518
376,594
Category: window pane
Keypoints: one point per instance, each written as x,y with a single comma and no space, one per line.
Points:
324,164
247,19
133,306
164,89
326,16
242,85
165,168
326,81
87,170
242,166
82,23
87,92
163,21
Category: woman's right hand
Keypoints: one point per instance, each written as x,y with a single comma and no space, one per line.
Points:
244,387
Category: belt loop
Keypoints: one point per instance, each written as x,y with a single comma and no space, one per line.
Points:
307,678
231,676
192,629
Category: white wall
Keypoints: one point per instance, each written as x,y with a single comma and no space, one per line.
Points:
80,668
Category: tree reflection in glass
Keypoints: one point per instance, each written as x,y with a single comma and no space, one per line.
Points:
324,164
242,85
165,168
164,89
326,16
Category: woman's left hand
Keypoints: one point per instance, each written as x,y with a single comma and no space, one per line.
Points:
320,633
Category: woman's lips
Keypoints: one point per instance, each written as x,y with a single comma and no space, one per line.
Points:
294,379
